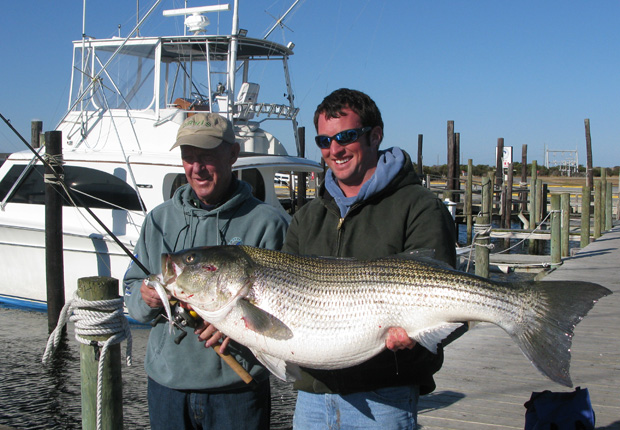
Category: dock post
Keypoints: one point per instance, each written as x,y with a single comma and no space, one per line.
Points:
36,127
589,171
420,166
603,198
585,216
451,156
533,205
508,204
483,222
54,261
94,289
523,183
469,200
608,206
618,204
301,176
488,192
555,229
543,201
482,249
597,209
565,203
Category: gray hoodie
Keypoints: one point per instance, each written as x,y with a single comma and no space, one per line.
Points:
181,223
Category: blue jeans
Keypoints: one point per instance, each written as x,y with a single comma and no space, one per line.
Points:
389,408
235,409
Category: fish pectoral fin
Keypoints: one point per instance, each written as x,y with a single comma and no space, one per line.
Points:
285,371
263,322
430,337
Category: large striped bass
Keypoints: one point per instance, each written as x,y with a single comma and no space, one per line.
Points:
328,313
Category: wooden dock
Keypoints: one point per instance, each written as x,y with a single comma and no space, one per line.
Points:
485,379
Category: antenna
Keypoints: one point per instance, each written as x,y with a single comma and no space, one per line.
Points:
196,22
280,22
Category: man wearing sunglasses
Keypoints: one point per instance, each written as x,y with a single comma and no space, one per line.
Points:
371,204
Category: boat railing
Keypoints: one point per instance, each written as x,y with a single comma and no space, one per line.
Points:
280,111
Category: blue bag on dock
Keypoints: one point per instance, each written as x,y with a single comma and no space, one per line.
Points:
559,411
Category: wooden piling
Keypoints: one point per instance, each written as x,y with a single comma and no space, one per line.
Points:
618,203
608,206
93,289
482,250
483,221
498,162
533,200
585,216
487,197
597,209
36,127
451,156
469,200
523,183
589,171
555,223
603,197
508,204
565,216
54,261
420,169
543,199
301,176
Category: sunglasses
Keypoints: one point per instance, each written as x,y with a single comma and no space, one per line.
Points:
343,138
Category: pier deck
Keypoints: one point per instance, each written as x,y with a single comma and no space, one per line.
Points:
486,379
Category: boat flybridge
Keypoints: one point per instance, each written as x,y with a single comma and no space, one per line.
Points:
128,97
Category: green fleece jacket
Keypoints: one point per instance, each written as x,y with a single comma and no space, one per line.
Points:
400,217
181,223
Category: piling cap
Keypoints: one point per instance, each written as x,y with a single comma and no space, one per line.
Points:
206,131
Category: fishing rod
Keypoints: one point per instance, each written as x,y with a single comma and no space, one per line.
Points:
77,198
229,359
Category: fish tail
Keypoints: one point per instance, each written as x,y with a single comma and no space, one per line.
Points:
545,332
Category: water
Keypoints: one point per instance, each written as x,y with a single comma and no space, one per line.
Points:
34,396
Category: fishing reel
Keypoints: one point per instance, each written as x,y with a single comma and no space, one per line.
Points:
181,318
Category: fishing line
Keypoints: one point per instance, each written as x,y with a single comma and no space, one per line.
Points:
76,197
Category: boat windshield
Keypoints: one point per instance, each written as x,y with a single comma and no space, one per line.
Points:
96,189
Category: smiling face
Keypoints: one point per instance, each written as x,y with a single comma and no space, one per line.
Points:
355,163
209,171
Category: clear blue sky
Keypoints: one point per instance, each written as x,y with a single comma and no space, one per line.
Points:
527,71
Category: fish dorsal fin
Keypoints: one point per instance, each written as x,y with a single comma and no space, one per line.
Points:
263,322
285,371
431,337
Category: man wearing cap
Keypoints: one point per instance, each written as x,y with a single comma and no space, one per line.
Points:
189,386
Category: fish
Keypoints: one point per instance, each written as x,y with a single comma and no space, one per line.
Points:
297,312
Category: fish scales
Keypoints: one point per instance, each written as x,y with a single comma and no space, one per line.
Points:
329,313
342,284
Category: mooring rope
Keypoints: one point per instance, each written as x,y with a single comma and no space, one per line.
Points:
479,230
93,318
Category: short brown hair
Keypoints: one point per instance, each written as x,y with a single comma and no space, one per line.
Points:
333,105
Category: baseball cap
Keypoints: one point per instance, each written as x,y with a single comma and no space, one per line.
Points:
205,131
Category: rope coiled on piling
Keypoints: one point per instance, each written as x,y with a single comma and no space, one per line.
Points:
93,318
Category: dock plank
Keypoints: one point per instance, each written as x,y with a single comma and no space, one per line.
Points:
485,379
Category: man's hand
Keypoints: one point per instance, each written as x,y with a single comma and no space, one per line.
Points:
210,335
398,339
150,296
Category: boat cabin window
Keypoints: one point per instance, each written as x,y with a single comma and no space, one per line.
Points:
251,176
96,189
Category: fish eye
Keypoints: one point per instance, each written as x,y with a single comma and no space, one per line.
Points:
190,258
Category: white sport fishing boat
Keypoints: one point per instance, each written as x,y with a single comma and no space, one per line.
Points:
128,97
